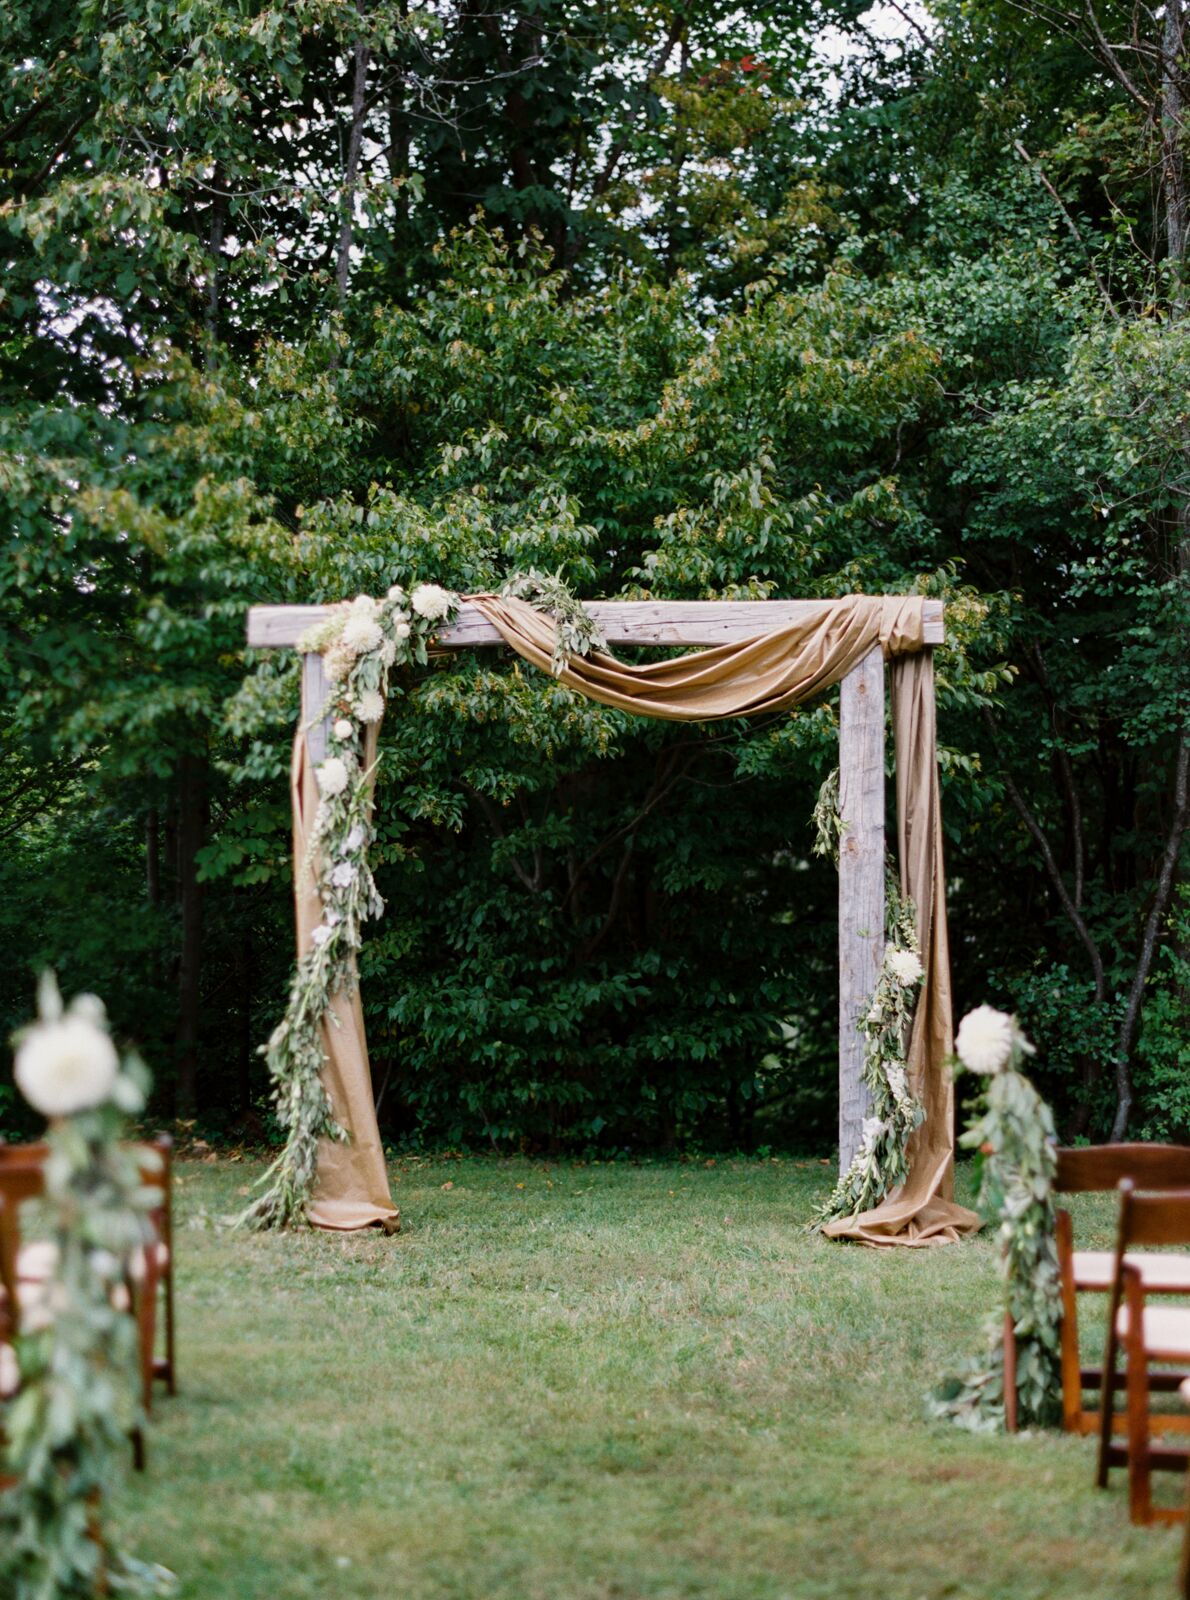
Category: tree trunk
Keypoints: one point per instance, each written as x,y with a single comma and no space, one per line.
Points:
192,801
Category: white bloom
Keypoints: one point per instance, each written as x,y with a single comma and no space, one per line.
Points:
66,1066
343,875
364,606
355,838
905,967
370,706
402,630
362,633
90,1008
396,594
873,1127
875,1014
388,651
898,1082
344,729
320,935
337,664
987,1039
332,776
331,918
431,602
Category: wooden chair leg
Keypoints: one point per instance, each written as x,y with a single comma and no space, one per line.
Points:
171,1381
1107,1399
1072,1375
1010,1405
1140,1494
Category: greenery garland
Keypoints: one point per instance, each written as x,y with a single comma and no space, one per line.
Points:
79,1397
361,643
576,632
1013,1131
880,1163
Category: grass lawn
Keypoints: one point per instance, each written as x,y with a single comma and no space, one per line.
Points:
580,1382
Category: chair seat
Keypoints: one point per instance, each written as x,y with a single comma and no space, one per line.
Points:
1166,1331
1159,1273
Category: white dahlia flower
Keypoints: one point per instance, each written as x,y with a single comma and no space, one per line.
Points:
66,1066
355,838
431,602
370,706
396,594
987,1039
362,633
332,776
904,965
344,729
401,630
388,651
343,875
364,606
320,935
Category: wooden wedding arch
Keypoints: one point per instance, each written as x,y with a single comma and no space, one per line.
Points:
703,623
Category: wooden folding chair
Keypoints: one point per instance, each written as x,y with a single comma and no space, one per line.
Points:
1099,1169
1148,1336
153,1272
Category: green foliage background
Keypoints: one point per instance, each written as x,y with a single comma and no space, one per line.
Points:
657,298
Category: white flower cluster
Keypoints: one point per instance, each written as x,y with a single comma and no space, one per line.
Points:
431,602
988,1041
905,966
66,1062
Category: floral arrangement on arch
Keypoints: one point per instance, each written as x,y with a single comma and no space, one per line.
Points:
361,643
880,1163
1013,1132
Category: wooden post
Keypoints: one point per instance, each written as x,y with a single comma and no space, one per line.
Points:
314,698
861,881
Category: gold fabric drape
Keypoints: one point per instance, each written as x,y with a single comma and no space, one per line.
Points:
773,672
351,1183
768,673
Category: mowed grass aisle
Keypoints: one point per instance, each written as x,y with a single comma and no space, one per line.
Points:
579,1382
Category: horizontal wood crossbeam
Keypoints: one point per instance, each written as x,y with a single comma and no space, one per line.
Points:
660,622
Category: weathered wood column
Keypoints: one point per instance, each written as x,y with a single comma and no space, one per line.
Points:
315,692
861,881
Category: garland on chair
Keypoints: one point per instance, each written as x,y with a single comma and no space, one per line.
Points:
880,1163
1014,1133
361,643
68,1426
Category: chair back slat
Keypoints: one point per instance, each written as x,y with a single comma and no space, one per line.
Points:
1153,1219
1099,1168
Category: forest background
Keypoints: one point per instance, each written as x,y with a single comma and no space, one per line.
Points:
684,300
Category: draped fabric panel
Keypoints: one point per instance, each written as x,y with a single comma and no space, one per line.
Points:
351,1184
771,672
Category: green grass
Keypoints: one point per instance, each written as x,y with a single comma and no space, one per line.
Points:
585,1382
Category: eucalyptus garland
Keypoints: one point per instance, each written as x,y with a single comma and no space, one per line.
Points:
880,1163
361,643
1013,1131
79,1396
576,632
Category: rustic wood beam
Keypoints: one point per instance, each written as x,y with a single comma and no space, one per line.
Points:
661,622
861,882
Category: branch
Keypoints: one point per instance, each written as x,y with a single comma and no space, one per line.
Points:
1039,173
1051,866
1148,945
